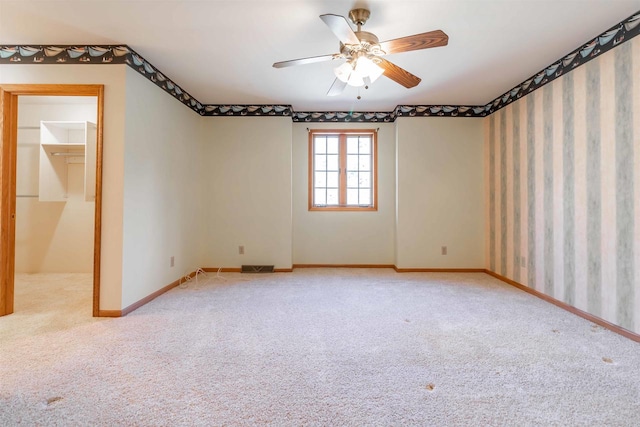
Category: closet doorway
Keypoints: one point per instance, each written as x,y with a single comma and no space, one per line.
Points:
50,193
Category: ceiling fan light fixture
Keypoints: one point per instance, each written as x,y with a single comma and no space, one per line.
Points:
357,72
366,67
349,74
344,71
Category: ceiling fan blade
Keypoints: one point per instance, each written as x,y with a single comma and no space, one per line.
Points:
399,75
303,61
341,28
337,87
416,42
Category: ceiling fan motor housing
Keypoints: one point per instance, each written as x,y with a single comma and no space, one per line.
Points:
367,37
369,46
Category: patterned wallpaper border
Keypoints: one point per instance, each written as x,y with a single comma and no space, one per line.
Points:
399,111
97,54
123,54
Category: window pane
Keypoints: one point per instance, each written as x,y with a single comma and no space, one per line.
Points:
352,196
365,145
320,163
365,197
352,145
364,163
320,145
365,179
332,163
334,153
352,162
352,179
332,145
320,179
332,197
333,179
319,196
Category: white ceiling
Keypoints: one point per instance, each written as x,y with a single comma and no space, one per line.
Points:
222,51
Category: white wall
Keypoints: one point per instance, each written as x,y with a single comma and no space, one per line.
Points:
247,191
51,237
113,77
440,192
321,237
198,187
162,181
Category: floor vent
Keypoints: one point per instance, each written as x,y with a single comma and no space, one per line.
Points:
257,269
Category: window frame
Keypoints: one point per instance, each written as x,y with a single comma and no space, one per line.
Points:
342,135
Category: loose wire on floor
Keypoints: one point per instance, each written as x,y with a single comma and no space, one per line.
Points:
184,281
199,272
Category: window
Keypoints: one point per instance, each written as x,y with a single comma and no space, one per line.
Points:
342,170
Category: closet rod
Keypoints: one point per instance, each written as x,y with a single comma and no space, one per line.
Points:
68,153
27,195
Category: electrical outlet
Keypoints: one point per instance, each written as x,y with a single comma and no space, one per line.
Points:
444,250
523,262
241,249
173,261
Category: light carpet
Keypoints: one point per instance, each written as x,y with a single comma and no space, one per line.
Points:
322,347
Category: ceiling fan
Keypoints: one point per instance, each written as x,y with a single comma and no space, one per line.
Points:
363,53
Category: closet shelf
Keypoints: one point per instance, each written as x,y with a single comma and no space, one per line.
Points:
70,149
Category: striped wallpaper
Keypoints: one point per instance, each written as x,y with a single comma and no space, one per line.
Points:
563,188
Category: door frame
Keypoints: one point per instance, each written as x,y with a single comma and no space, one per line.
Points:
8,152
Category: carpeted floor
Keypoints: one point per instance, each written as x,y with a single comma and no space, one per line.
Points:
48,302
320,347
